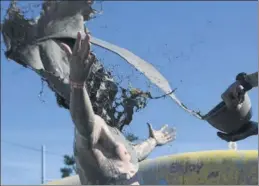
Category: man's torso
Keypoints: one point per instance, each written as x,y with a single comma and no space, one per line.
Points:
87,167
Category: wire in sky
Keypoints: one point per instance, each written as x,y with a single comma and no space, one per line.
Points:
30,148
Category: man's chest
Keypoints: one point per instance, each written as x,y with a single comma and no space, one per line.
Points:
81,144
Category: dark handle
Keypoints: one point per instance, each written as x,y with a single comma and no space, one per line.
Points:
242,78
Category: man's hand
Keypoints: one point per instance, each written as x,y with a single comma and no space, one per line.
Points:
80,63
156,138
234,96
162,136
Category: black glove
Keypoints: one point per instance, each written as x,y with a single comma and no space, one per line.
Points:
242,78
249,129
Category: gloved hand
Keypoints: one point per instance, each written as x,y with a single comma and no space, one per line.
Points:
249,129
235,93
234,96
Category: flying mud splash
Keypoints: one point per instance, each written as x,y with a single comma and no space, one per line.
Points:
62,20
147,69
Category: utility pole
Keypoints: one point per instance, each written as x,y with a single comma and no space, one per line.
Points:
42,164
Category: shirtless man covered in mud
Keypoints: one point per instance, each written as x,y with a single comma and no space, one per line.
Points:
48,47
103,155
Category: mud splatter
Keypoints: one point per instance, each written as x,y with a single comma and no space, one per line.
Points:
194,167
213,175
176,167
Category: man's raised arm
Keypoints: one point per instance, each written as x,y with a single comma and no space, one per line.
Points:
80,104
81,110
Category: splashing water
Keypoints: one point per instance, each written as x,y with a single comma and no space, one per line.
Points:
232,145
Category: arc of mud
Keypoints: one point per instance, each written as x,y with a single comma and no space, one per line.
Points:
145,68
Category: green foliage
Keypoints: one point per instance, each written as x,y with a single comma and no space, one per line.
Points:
69,160
131,137
69,168
66,172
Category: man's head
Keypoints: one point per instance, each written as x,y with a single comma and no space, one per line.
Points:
58,19
36,44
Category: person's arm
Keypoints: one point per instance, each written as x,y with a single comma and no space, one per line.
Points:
81,109
248,81
252,79
80,104
145,148
156,138
234,95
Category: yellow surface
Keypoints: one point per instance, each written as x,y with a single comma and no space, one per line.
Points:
211,167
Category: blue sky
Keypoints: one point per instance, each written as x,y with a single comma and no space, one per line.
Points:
198,46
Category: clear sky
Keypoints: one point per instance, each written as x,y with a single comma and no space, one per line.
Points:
198,46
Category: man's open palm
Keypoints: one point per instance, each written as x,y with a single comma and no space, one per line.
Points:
80,64
162,136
